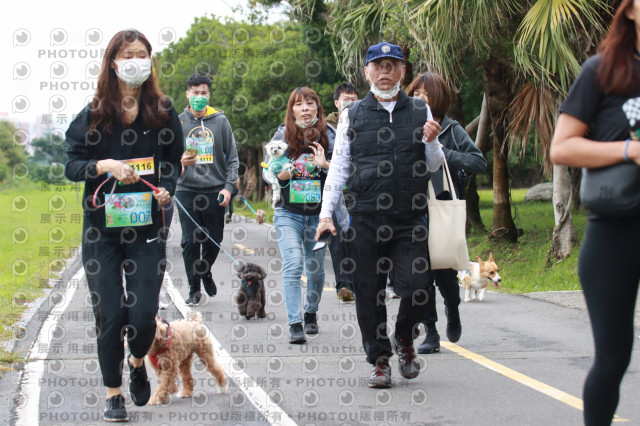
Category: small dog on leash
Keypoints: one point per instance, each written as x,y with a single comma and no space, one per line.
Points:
172,351
251,298
476,280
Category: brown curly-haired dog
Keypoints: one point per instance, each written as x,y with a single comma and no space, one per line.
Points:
250,298
172,351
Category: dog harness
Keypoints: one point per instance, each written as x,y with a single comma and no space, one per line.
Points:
249,287
154,357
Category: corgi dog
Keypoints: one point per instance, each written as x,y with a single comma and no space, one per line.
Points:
476,280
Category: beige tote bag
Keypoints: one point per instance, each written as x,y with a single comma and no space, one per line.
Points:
447,221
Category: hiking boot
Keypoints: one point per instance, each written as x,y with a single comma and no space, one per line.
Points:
209,285
380,374
296,334
139,386
310,323
409,365
114,410
391,294
454,326
193,300
431,342
346,295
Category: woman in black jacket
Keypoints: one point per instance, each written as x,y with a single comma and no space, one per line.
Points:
128,133
463,158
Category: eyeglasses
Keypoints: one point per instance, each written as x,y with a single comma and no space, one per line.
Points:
385,65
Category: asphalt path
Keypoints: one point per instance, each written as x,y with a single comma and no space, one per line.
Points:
520,361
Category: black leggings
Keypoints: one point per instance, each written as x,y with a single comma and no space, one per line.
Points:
447,282
609,272
106,260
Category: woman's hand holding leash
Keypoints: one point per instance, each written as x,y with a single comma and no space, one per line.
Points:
121,171
162,196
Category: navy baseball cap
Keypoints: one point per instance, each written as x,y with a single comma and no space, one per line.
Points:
383,50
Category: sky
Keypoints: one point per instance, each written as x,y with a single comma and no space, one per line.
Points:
52,50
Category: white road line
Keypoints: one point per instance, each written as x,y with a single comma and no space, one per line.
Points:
258,397
27,413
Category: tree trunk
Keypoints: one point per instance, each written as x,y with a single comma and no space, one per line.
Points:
474,220
408,70
499,92
455,108
564,233
576,178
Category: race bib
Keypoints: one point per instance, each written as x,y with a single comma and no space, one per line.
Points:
204,146
305,191
128,209
142,166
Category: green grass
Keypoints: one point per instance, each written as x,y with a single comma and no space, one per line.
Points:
38,229
523,265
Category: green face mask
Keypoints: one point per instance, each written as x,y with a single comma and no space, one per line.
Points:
198,102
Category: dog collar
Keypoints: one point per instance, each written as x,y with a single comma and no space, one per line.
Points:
154,357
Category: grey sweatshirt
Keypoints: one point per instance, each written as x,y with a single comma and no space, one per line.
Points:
223,172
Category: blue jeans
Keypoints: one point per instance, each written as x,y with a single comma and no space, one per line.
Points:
295,233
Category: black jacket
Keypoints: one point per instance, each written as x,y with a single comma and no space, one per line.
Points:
388,173
461,154
164,144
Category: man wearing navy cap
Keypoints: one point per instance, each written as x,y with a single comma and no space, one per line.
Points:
386,145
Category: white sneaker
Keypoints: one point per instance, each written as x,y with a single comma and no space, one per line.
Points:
391,294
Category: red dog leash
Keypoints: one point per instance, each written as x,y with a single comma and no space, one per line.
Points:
95,195
154,357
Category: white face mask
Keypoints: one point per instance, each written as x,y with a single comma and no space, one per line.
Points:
385,94
133,72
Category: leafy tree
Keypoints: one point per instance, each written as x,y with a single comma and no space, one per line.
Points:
12,152
529,52
47,161
254,68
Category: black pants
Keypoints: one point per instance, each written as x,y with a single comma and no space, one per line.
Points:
106,261
383,245
447,282
338,251
198,251
609,272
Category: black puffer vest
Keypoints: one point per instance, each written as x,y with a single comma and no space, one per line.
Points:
388,170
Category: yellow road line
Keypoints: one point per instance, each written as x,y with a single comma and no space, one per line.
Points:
245,249
521,378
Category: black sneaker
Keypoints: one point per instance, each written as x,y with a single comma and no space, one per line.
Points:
431,342
209,285
139,386
193,300
409,365
310,323
380,374
114,410
454,326
296,334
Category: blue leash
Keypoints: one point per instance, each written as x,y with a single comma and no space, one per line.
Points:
244,200
204,232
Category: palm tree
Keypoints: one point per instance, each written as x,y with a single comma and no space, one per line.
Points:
529,52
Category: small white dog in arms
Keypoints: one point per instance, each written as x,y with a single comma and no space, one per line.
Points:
478,277
277,163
